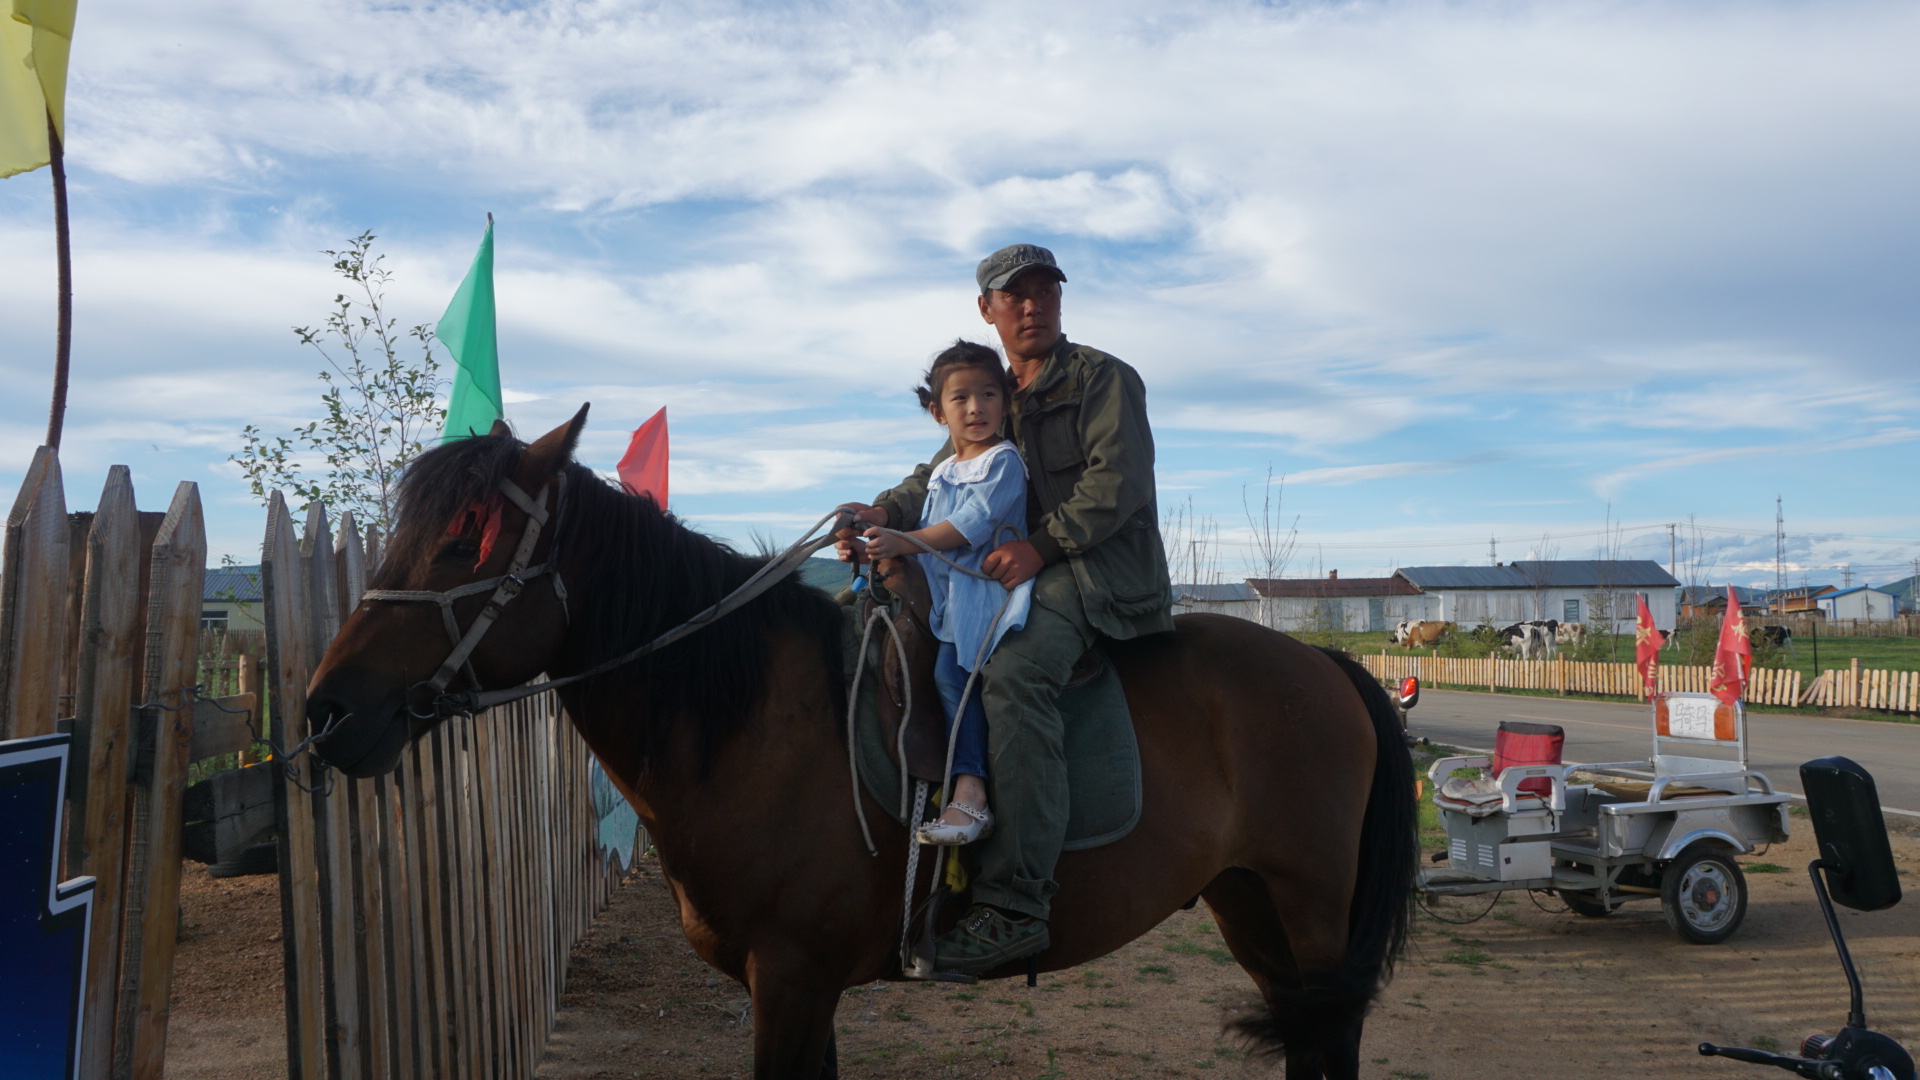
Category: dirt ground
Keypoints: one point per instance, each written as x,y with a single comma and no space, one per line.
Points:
229,997
1520,993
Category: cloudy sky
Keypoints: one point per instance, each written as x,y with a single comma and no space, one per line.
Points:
1459,272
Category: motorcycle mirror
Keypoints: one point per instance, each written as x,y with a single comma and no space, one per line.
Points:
1409,692
1852,834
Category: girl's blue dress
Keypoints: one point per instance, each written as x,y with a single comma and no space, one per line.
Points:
985,498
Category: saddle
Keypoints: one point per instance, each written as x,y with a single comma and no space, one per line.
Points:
1102,751
900,586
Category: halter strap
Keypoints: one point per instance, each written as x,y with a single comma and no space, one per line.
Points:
505,588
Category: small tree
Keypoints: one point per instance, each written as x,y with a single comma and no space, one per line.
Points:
1539,574
1274,538
381,406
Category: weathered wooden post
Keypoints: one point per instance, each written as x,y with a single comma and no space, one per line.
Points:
33,601
285,588
103,703
176,584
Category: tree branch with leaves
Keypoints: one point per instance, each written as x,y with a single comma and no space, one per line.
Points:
382,402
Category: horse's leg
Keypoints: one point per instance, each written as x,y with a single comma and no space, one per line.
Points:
792,1020
1315,914
1243,908
1290,935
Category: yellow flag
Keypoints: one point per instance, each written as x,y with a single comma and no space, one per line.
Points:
35,36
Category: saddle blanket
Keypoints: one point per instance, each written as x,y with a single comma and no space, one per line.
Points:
1103,756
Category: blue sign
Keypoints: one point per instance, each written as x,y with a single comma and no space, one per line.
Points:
619,825
43,921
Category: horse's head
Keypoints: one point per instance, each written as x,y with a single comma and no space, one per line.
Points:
462,522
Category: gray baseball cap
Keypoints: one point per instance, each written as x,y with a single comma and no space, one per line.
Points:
1001,267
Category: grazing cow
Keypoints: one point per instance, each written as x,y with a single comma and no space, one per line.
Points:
1529,640
1538,644
1780,637
1572,633
1400,631
1424,633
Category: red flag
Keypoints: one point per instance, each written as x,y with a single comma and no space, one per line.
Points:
1647,640
1733,657
644,468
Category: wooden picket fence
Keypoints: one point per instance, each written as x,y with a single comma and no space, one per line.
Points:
1768,686
100,637
429,913
1866,688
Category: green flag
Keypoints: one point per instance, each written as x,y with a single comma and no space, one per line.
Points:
468,333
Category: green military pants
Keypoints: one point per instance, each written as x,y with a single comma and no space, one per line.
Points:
1026,746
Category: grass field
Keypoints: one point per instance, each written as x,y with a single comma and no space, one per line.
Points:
1895,654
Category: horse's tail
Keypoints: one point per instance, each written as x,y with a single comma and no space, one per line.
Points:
1326,1016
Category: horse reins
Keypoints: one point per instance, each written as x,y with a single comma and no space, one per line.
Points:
509,585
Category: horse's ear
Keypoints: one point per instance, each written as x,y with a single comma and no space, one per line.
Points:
551,452
500,428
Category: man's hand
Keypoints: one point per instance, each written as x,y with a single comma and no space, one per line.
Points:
1013,563
846,548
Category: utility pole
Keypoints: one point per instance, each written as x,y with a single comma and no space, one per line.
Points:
1493,551
1673,563
1779,554
1846,574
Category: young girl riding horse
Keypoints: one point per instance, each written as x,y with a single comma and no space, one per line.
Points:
973,499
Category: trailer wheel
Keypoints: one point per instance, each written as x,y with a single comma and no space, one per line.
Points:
1592,909
1703,894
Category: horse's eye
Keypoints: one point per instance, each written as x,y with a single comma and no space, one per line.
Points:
463,550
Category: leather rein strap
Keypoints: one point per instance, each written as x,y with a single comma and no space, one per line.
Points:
509,585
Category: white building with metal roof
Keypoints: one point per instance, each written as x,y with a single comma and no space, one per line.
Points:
1860,602
1597,592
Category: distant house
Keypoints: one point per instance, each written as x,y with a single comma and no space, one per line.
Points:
1235,598
1597,592
1709,601
231,599
1337,603
1860,602
1802,598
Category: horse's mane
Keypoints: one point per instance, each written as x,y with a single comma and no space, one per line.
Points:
649,573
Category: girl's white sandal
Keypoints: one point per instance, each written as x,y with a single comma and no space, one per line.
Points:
941,834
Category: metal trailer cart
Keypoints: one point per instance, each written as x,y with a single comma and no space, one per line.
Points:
1624,835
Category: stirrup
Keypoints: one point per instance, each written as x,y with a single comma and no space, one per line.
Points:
941,834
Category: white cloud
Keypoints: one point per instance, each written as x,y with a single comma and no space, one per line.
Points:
1354,474
1399,231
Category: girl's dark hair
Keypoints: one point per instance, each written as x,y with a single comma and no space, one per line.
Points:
961,354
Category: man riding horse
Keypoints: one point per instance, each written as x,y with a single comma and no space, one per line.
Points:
1079,417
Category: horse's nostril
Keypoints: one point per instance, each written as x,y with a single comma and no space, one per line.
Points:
323,713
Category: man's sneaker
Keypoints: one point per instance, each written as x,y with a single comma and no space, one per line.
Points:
986,939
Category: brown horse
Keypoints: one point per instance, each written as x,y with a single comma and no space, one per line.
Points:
1277,785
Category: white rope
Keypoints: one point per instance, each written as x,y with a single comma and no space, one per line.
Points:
913,869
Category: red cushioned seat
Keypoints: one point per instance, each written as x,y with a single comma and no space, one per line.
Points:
1520,744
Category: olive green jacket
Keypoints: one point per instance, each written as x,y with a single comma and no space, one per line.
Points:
1081,424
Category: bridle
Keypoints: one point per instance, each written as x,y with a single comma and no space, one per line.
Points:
505,588
509,585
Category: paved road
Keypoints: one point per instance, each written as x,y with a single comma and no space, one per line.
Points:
1604,731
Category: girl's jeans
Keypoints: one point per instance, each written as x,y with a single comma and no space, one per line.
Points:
970,751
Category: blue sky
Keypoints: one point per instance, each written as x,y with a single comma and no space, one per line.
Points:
1455,270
